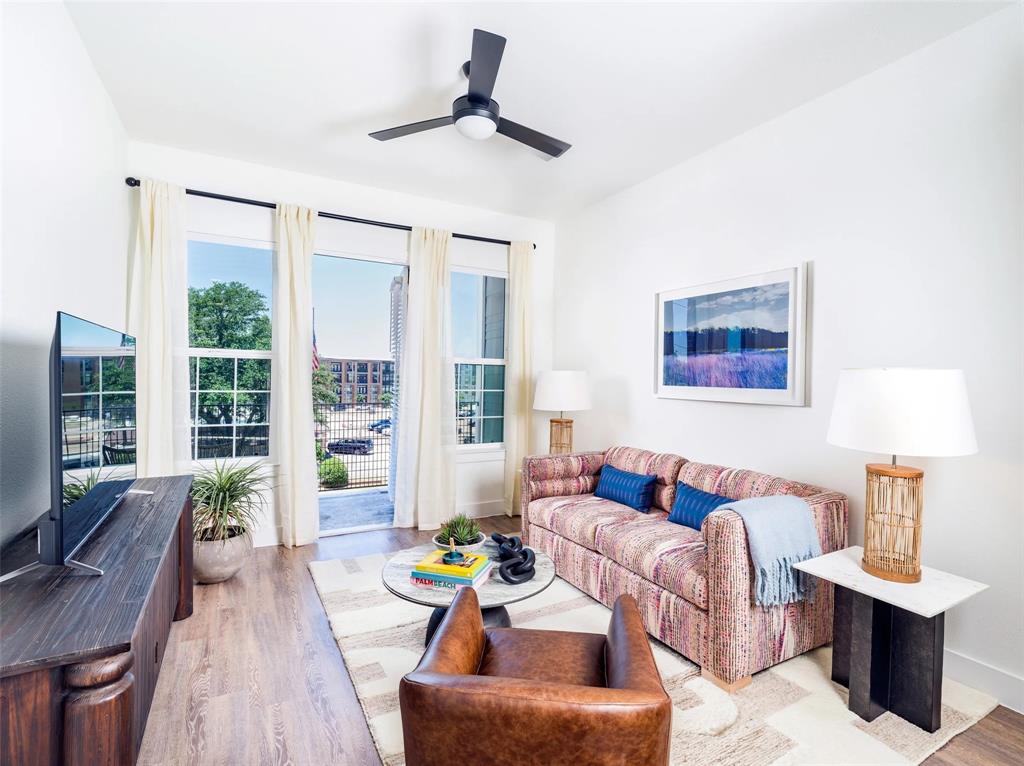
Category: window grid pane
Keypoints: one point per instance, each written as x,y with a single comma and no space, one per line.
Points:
479,403
230,407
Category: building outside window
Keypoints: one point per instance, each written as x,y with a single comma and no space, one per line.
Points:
229,335
478,340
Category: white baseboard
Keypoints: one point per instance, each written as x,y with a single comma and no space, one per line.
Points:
1001,684
482,509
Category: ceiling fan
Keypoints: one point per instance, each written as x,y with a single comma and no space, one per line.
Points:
476,115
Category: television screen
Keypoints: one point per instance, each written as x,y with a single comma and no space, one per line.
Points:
94,399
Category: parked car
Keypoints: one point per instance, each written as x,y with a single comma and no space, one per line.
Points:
350,446
379,425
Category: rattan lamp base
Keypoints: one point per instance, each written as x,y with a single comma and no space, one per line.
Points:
560,438
892,522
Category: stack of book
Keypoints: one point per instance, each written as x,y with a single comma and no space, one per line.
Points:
432,572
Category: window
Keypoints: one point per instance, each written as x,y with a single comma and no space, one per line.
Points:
229,334
478,340
335,367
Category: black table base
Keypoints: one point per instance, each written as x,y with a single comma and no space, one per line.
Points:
494,617
889,659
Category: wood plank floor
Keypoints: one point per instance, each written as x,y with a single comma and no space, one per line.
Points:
254,676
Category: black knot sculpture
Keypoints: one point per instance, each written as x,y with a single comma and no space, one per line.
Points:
516,561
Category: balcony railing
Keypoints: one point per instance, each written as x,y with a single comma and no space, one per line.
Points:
353,445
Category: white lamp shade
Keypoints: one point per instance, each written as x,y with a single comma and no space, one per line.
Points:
559,390
903,411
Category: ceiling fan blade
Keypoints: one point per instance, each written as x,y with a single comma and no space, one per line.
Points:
412,127
483,66
530,137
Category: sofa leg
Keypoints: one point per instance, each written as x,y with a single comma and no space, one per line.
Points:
729,687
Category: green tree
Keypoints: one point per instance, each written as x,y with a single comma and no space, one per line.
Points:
323,394
228,315
387,398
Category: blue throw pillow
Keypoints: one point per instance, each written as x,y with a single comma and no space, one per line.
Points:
633,489
692,505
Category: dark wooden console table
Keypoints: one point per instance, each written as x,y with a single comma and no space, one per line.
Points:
80,654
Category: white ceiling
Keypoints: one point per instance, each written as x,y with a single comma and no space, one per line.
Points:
635,88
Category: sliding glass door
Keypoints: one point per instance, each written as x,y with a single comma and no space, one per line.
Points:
358,308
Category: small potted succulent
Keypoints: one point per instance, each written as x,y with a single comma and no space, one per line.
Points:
226,503
463,530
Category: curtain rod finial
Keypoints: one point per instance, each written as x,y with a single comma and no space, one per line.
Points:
132,181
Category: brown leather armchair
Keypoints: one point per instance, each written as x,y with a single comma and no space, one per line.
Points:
515,696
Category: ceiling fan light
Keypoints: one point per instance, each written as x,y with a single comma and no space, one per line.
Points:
476,126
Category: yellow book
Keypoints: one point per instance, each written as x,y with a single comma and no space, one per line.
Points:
468,567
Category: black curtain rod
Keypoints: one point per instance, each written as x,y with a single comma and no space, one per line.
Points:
333,216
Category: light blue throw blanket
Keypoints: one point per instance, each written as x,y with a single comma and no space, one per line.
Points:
780,533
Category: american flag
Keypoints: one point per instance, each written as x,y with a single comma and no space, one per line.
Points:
316,354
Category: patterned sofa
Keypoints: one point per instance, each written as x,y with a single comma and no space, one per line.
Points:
694,588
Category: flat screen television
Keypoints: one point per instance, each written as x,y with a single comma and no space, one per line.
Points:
92,433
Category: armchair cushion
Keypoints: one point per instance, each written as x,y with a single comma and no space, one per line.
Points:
544,655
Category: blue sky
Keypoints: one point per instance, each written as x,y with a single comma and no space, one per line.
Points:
764,306
351,297
79,333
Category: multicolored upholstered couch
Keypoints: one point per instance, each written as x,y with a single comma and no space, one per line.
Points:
693,587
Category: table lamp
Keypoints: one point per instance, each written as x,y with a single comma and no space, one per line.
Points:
899,411
561,390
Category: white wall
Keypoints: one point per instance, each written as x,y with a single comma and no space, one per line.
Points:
904,189
479,475
65,231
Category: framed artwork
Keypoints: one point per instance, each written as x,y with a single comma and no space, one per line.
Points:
739,340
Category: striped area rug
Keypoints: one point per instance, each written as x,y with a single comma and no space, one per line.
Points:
791,714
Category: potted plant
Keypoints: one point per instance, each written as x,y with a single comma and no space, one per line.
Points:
464,530
226,502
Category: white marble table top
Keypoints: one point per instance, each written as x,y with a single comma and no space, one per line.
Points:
937,591
495,592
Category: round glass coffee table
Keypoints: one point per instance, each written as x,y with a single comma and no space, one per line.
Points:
493,594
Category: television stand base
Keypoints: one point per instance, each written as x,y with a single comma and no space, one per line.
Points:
87,568
20,571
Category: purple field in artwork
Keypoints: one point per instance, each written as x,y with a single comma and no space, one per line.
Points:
743,369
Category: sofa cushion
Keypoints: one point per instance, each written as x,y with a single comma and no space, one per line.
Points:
703,476
577,517
692,505
662,465
632,489
741,484
667,554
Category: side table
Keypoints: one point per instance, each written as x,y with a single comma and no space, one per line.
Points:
887,637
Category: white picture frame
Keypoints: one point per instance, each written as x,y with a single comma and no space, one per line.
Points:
725,339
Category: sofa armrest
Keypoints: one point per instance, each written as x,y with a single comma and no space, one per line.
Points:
730,581
556,476
551,722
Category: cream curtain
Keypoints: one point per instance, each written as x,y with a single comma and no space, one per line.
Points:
518,369
158,318
425,481
291,386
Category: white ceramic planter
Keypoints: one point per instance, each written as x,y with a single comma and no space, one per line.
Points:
462,548
219,560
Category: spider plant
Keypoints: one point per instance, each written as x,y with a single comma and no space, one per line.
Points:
75,489
226,500
461,528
